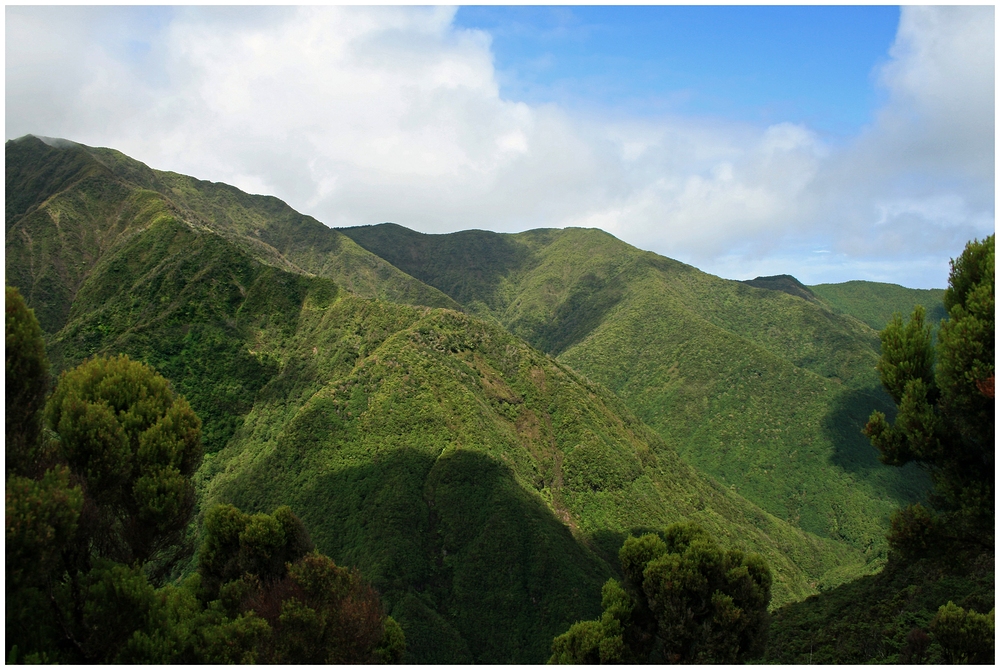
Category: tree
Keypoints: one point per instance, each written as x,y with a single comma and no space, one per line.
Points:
965,635
42,507
133,445
236,544
27,385
946,410
96,514
683,600
264,565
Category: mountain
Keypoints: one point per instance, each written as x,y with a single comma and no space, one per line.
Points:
874,303
481,485
67,206
766,389
784,283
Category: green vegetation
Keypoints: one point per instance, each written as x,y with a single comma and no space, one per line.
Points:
946,408
447,465
27,380
784,283
875,303
89,541
964,636
942,554
882,618
766,389
133,447
683,600
263,565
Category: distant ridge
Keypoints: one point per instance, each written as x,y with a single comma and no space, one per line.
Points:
784,283
875,303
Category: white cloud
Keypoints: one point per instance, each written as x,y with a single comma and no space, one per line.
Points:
362,115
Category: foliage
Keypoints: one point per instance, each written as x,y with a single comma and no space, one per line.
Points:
42,508
764,390
883,618
27,384
964,636
263,565
482,487
683,600
875,303
115,487
133,445
235,544
942,552
435,463
42,517
946,419
79,557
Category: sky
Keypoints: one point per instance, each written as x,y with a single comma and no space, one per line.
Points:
829,143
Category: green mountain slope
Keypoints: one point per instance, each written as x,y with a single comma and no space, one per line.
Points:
481,485
784,283
765,390
67,206
872,619
874,303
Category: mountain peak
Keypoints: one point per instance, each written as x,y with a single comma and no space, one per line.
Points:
784,283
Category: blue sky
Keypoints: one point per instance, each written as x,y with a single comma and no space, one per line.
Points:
830,143
812,65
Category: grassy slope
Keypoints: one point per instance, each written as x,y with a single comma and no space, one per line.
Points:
484,487
764,390
874,303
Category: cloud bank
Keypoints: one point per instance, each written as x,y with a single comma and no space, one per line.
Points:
364,115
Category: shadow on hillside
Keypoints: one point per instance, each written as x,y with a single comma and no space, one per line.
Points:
467,266
583,310
473,567
607,543
844,422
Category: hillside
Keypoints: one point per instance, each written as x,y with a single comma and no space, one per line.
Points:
765,390
874,303
67,206
784,283
872,619
481,485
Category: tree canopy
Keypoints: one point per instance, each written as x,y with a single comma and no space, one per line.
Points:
133,445
684,599
946,410
98,509
27,384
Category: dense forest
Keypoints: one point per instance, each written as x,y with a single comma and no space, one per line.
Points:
236,435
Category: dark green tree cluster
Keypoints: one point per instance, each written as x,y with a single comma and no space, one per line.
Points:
946,422
99,499
946,417
965,636
316,611
684,599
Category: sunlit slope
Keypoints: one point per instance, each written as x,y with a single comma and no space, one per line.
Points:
874,303
67,206
765,390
